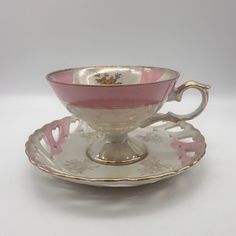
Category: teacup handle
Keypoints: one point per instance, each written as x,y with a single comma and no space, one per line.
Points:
176,95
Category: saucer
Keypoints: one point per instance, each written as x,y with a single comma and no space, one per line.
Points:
59,148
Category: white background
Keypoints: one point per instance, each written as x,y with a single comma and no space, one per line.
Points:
197,38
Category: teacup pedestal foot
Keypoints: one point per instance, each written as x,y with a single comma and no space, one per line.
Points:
117,150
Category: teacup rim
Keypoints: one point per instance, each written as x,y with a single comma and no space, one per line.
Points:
50,79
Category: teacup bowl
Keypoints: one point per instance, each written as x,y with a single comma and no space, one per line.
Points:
115,100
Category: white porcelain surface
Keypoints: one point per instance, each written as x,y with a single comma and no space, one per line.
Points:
59,148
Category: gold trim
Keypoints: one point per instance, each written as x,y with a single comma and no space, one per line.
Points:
118,107
61,174
51,79
124,162
191,84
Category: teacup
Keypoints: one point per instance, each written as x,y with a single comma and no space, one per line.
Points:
115,100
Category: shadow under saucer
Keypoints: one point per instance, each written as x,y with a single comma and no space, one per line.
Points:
108,202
